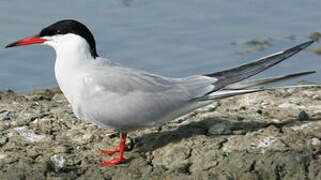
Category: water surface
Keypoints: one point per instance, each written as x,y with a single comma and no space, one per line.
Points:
170,37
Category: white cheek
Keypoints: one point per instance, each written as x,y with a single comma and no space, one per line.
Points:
50,41
46,43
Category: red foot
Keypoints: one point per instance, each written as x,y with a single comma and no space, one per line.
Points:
120,149
104,152
115,161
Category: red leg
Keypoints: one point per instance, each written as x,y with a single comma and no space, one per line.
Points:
120,149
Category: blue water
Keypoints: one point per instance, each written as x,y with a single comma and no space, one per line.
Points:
170,37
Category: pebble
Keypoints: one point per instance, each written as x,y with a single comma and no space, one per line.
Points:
291,105
303,116
29,135
315,141
3,140
221,128
59,161
2,156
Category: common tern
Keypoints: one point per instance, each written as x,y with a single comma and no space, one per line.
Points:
113,96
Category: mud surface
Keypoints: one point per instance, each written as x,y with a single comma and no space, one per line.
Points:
267,135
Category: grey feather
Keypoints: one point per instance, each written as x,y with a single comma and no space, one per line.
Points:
221,94
245,71
260,83
227,93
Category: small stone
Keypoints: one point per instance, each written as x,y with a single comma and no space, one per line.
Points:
291,105
265,103
3,140
2,156
240,118
275,120
259,111
221,128
184,123
30,135
59,161
303,116
315,141
6,115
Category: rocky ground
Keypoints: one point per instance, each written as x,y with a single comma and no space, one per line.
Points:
267,135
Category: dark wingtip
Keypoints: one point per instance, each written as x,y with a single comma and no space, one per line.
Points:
308,43
293,50
311,72
303,45
311,40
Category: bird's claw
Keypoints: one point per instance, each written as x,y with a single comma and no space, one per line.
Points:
115,161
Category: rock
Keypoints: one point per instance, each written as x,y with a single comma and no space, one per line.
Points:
59,161
315,36
221,128
2,156
28,135
317,50
173,158
264,143
291,105
315,141
6,115
3,140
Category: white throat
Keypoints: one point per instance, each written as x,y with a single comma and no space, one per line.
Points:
72,55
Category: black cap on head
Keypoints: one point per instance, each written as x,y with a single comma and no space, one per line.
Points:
71,26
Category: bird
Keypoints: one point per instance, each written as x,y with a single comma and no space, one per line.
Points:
114,96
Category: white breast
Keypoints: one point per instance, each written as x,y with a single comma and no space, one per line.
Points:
73,57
